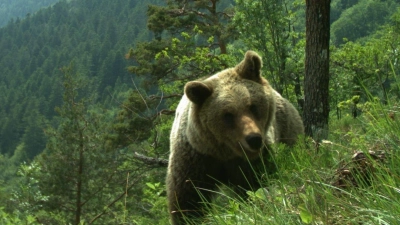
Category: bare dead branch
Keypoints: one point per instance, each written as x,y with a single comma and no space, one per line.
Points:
166,112
151,161
226,15
152,97
115,200
141,96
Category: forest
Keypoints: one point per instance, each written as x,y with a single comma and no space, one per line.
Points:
14,9
89,90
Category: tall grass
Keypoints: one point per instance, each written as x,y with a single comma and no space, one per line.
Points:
328,186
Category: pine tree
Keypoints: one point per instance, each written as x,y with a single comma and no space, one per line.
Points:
201,20
77,169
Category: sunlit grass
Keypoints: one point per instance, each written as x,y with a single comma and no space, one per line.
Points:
306,188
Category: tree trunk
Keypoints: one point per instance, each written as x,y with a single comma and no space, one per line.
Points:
78,211
316,80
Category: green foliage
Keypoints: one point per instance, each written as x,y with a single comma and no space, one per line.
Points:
361,20
133,122
202,61
94,34
367,69
269,27
154,196
181,28
338,6
14,10
77,171
13,219
178,16
28,194
117,186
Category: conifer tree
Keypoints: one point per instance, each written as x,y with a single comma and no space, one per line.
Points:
198,19
77,169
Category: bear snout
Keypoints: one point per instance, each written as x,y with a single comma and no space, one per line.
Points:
254,141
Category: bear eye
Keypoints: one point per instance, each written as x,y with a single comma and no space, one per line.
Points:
229,119
254,110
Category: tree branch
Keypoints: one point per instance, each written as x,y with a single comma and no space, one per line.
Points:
159,162
166,112
152,97
114,201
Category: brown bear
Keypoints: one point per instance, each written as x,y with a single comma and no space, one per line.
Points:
221,133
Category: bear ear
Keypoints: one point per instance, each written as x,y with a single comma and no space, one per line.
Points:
250,67
197,91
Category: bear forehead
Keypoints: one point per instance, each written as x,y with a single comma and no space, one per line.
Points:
239,94
229,83
238,91
228,75
230,87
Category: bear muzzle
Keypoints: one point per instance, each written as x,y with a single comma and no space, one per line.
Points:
254,141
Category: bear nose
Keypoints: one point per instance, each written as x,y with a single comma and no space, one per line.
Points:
254,141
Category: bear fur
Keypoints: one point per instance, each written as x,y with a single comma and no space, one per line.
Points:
222,125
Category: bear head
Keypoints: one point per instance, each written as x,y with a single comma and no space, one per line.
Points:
231,111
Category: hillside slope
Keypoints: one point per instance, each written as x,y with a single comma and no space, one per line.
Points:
13,9
93,34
